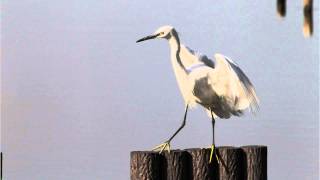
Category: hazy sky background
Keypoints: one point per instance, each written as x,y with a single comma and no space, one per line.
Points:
78,94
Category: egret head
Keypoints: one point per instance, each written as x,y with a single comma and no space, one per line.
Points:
162,32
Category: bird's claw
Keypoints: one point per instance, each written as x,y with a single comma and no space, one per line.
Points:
164,146
213,147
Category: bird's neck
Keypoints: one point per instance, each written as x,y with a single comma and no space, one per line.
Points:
174,41
174,44
175,47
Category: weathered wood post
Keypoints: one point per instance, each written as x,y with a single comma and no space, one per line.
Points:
247,162
177,165
200,166
255,162
231,161
146,165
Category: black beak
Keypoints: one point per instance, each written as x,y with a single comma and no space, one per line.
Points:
147,38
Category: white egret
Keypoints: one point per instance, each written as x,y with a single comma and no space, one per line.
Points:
220,86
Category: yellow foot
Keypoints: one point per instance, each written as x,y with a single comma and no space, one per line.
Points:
213,147
162,147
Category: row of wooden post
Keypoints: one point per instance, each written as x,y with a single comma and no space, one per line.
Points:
236,163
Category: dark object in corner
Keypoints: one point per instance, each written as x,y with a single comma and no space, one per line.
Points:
281,8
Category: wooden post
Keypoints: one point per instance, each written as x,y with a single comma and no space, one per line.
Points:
281,8
146,165
200,166
247,162
255,162
231,161
308,19
177,165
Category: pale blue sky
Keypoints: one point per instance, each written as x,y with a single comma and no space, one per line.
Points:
78,94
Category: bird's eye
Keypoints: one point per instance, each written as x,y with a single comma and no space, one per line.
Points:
161,33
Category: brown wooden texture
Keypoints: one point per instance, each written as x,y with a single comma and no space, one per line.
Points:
201,169
146,165
255,162
177,165
231,160
247,162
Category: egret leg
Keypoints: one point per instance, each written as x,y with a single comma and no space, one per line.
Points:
213,146
166,145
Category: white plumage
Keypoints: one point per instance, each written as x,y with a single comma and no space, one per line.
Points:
235,91
218,85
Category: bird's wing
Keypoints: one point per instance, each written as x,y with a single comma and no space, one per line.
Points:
229,81
203,58
207,61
